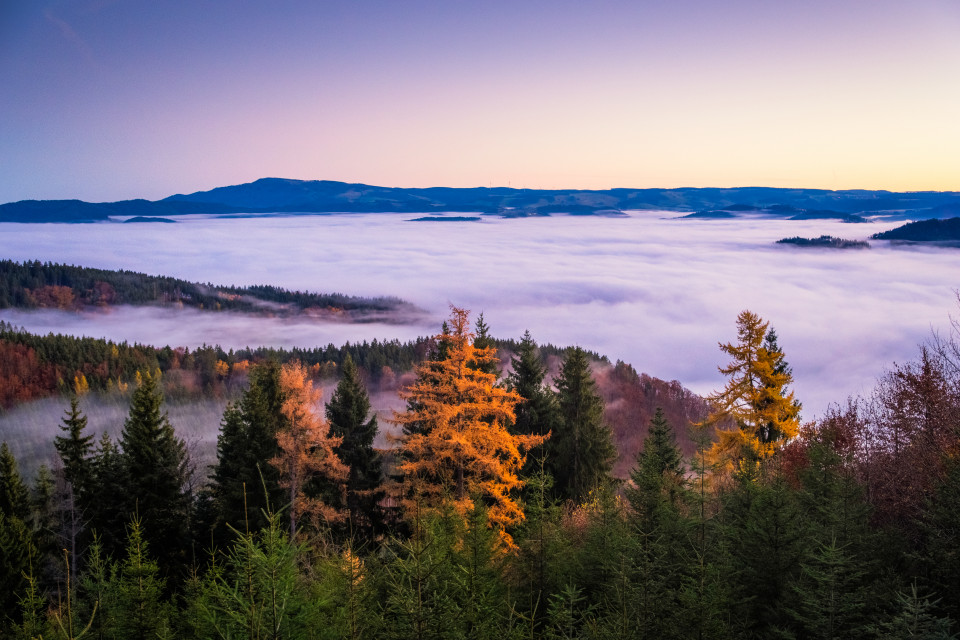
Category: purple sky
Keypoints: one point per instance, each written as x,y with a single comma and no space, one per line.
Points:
112,99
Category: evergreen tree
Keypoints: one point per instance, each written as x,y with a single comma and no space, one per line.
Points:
14,496
18,557
580,453
74,448
347,414
245,484
482,340
109,511
157,471
136,605
915,619
536,413
658,477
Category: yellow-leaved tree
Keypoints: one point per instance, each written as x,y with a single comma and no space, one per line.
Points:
306,449
755,413
456,446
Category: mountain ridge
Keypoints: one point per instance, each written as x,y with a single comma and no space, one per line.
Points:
284,195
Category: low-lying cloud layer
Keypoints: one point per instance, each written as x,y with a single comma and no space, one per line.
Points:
653,291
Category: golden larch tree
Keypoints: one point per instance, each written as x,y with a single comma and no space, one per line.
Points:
456,445
306,448
755,413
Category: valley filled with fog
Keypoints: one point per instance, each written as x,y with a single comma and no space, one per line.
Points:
646,288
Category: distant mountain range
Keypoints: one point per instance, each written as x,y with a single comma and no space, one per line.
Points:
278,195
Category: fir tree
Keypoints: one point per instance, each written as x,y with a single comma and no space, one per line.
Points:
658,476
536,413
14,496
245,484
156,463
108,513
347,412
482,340
74,448
580,453
136,607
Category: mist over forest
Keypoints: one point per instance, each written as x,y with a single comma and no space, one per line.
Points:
646,288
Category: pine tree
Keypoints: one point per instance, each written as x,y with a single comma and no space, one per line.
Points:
580,453
460,447
157,471
347,414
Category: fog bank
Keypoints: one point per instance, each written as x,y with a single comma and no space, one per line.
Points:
653,291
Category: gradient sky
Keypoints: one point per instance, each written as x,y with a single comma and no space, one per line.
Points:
112,99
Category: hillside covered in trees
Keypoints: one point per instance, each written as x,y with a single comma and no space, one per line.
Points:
498,512
37,285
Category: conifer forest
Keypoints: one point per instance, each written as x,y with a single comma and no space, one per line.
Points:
501,507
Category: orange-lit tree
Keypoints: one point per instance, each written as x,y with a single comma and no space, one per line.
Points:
306,448
456,445
755,413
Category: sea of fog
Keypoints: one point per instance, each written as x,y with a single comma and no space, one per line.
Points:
655,291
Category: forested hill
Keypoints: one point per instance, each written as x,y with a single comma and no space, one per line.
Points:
272,195
925,231
60,286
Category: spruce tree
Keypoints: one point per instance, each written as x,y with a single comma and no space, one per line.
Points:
537,410
580,453
245,484
157,471
482,340
14,496
658,476
108,513
347,412
74,448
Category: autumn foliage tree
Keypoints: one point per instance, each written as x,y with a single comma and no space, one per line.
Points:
755,413
307,449
456,444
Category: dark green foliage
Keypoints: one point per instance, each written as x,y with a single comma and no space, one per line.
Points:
135,607
18,557
830,598
74,448
157,472
658,477
259,592
915,618
108,513
537,412
764,531
245,484
100,287
580,453
347,413
14,496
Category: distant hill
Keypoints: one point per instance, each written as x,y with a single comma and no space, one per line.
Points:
925,231
279,195
826,241
33,285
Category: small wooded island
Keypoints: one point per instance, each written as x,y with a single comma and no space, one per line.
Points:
826,241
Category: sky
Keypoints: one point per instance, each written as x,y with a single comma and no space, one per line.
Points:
112,99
